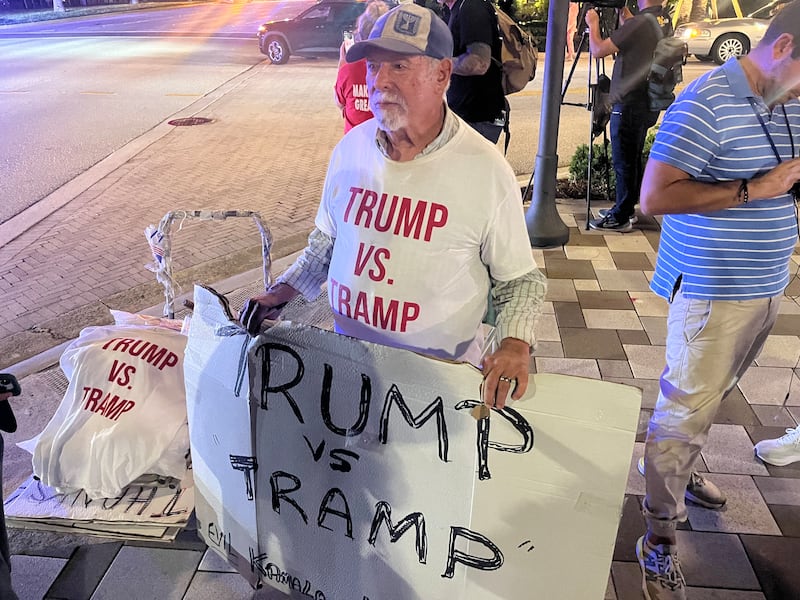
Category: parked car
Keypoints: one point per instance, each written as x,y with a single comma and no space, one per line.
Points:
720,39
318,30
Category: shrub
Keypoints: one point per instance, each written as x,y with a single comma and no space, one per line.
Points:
601,160
648,143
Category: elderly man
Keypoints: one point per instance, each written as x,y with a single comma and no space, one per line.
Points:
420,218
724,171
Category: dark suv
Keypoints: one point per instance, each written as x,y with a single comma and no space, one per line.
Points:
315,31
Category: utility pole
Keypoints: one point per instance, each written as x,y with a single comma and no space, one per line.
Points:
545,227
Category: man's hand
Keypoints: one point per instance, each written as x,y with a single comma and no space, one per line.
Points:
506,371
592,18
777,181
265,306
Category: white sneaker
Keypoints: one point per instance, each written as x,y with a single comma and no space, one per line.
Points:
782,451
604,211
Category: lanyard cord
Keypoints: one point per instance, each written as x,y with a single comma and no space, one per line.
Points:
766,130
778,155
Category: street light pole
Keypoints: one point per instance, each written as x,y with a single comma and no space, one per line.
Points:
545,227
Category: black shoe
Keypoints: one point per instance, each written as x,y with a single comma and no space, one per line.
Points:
610,223
604,211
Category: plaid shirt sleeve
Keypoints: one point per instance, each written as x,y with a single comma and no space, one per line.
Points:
517,304
310,270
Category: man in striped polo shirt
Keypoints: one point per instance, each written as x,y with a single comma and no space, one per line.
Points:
721,171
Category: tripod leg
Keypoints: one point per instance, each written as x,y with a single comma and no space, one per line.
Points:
589,174
572,68
607,165
528,187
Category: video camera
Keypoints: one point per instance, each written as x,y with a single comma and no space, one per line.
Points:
603,3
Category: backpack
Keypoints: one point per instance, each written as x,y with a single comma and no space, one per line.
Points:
666,68
518,54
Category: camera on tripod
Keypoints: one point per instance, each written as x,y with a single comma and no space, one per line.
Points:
603,3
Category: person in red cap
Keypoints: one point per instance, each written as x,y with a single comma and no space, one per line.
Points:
351,78
410,256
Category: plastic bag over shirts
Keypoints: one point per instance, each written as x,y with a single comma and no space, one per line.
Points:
124,412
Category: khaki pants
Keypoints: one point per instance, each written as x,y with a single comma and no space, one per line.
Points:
710,344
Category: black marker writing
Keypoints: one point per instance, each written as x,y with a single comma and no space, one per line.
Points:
245,464
457,556
383,514
517,421
363,405
265,353
325,510
436,407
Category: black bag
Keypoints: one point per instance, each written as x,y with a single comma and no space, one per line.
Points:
601,105
666,68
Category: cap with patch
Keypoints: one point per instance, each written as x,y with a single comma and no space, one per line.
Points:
407,29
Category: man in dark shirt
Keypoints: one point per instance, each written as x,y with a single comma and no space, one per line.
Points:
633,42
476,91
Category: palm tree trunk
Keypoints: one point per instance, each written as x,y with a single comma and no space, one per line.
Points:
698,11
692,10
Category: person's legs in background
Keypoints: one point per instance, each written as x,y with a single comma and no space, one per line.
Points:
710,344
572,28
628,127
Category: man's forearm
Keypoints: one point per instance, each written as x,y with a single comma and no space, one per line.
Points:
310,270
668,190
517,304
688,196
475,61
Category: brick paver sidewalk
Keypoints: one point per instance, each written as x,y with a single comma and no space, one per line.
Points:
266,150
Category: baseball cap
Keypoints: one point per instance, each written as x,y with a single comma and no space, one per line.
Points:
407,29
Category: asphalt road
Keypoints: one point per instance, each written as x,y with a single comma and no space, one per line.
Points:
74,91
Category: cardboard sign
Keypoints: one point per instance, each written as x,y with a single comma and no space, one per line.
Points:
369,479
139,512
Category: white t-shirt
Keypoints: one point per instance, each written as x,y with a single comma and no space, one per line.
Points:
414,241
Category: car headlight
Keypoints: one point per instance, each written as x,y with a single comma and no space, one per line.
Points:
262,29
691,33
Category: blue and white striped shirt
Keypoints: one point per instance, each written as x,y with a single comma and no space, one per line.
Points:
712,133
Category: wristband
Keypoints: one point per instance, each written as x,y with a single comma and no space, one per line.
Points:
743,195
